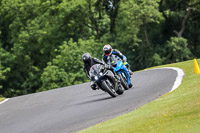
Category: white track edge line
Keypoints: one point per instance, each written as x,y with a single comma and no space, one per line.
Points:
180,75
4,101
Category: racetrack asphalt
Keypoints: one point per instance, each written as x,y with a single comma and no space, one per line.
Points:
73,108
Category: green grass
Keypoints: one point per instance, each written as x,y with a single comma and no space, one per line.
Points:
175,112
1,99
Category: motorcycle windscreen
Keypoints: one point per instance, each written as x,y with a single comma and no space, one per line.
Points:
95,69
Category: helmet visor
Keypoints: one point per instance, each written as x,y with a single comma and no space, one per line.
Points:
107,51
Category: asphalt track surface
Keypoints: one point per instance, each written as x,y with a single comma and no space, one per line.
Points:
73,108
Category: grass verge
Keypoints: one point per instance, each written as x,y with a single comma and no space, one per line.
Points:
175,112
1,99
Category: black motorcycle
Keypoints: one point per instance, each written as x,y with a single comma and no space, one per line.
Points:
105,80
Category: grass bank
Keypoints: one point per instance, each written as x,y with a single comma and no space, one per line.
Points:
175,112
1,99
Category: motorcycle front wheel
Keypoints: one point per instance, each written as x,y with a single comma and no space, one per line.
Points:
109,87
124,80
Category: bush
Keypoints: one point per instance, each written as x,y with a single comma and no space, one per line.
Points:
67,67
176,50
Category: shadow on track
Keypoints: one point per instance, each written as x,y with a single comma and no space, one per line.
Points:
101,94
93,101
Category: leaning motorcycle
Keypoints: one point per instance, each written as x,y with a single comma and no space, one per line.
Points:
105,80
121,70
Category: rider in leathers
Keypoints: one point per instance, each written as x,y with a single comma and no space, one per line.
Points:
109,51
90,61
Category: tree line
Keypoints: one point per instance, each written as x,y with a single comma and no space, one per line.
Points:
42,41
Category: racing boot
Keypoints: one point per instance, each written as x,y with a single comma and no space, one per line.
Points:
93,86
130,85
131,73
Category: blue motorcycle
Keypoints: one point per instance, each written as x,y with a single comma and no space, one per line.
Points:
121,71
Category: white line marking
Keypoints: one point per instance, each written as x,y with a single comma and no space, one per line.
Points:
4,101
180,75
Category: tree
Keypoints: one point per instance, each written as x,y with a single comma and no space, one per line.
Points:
6,60
133,21
36,37
177,50
31,32
66,68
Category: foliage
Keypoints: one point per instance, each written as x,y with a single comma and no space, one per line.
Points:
36,37
66,67
129,29
176,50
6,60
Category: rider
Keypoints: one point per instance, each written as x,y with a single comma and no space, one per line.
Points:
90,61
109,51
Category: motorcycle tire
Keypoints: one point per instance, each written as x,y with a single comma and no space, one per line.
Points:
124,81
120,90
107,86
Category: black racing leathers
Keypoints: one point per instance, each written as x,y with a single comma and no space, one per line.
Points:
87,66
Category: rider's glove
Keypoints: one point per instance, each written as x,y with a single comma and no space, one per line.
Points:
107,66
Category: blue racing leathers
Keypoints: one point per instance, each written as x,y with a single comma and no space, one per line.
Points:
119,54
